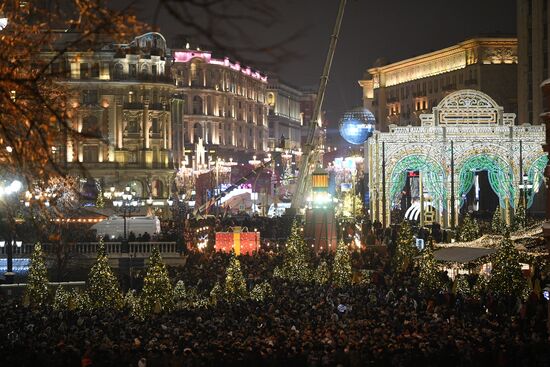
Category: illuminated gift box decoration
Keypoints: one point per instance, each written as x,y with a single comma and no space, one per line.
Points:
241,242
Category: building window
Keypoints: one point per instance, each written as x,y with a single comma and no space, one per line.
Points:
133,127
132,70
95,70
89,97
90,125
118,71
90,153
154,70
197,105
155,125
84,70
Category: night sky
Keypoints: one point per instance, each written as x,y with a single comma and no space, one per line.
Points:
371,29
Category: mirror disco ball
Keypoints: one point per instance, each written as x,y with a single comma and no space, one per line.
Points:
357,125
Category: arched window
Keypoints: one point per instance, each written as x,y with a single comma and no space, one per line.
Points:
144,71
197,128
209,105
157,189
197,105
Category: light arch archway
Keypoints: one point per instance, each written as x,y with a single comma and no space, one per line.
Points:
501,176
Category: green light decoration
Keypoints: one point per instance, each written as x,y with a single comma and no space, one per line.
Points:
341,268
501,177
535,175
36,292
295,265
462,286
102,286
433,177
235,286
100,200
406,249
506,278
156,295
61,299
216,294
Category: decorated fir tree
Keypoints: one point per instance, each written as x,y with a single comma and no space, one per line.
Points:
261,292
430,280
462,286
216,294
341,268
100,200
36,291
103,288
469,230
157,293
506,277
61,299
497,224
235,286
295,265
322,273
480,285
405,249
520,217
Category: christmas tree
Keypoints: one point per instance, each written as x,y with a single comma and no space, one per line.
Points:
61,298
469,230
341,268
480,286
429,271
463,286
405,249
520,217
497,223
261,291
295,265
37,283
103,288
235,286
100,201
156,294
216,294
506,277
322,273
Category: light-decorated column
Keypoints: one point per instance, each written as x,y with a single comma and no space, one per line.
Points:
119,123
145,125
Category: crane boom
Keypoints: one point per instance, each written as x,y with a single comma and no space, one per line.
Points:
308,158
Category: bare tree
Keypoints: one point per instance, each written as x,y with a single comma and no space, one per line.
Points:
229,27
35,109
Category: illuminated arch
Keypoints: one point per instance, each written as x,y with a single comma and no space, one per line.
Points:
535,175
433,177
501,176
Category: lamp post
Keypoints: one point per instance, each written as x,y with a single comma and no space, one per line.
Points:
6,192
125,204
525,186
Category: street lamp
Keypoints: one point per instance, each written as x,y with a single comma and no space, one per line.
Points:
125,204
6,191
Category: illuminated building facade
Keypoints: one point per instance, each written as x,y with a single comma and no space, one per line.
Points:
123,94
219,110
533,31
400,92
285,119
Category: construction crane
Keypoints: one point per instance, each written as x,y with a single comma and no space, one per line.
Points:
309,157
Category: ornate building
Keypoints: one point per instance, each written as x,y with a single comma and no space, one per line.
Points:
400,92
467,133
123,94
220,109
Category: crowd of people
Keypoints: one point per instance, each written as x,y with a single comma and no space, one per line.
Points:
385,321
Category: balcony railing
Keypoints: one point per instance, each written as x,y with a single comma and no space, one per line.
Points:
90,248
